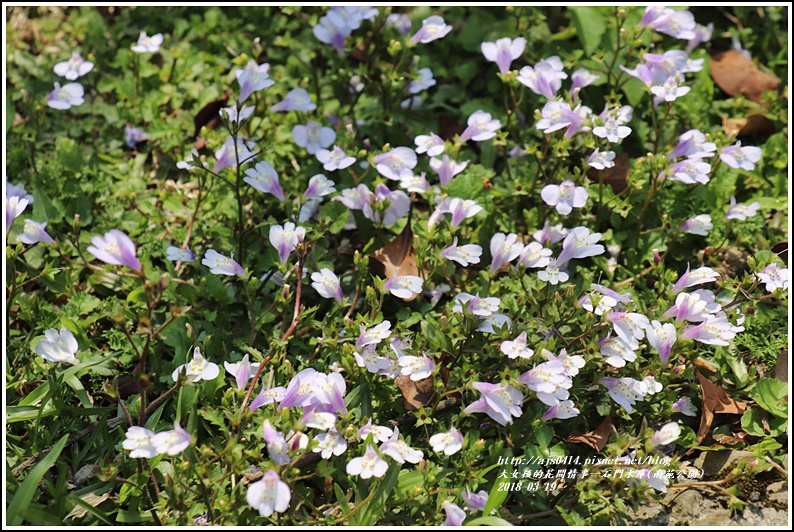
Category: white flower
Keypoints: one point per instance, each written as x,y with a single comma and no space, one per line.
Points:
330,444
666,435
148,44
171,442
423,82
417,368
740,211
463,255
62,98
399,450
336,159
447,442
326,283
698,225
74,68
58,347
367,466
517,348
552,274
404,286
269,495
197,369
432,28
139,443
221,265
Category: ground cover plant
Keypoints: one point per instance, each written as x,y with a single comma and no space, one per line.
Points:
409,266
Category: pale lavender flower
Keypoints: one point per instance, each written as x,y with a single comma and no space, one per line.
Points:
774,277
228,156
740,211
699,276
661,337
423,82
139,443
171,442
564,197
552,274
116,248
330,32
318,418
694,307
716,330
545,78
597,303
187,163
336,159
133,135
455,515
296,100
404,286
417,368
447,169
504,51
379,433
253,78
481,126
693,145
447,442
285,239
698,225
504,249
702,34
502,402
517,348
310,388
432,28
463,255
476,305
462,209
431,144
666,435
618,351
148,44
534,255
242,371
415,183
34,232
58,346
264,178
550,234
319,186
671,89
549,380
198,369
367,466
330,444
572,363
556,115
489,324
312,136
400,21
400,451
234,117
685,406
268,495
678,24
580,243
624,391
563,410
580,79
629,326
611,130
62,98
601,160
475,501
267,396
396,164
326,283
691,171
738,156
222,265
398,205
18,191
74,68
373,335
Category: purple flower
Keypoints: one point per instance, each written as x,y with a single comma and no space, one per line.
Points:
678,24
462,209
243,371
502,402
545,78
326,283
463,255
702,34
738,156
400,451
330,32
563,410
685,406
693,145
475,501
264,178
691,171
312,136
564,197
423,82
695,277
398,205
601,160
716,330
740,211
234,117
671,89
698,225
431,144
455,515
74,68
34,232
147,44
285,239
504,51
62,98
296,100
550,234
624,391
504,249
334,160
396,164
222,265
400,21
177,254
580,243
480,127
268,396
534,255
549,380
133,135
14,207
774,277
447,169
228,156
618,351
581,79
661,337
629,326
269,495
693,307
312,388
432,28
252,78
319,186
116,248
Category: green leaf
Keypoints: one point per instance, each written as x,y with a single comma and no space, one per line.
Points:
40,517
590,26
24,495
496,496
340,498
772,396
490,520
337,213
752,423
543,435
374,509
15,414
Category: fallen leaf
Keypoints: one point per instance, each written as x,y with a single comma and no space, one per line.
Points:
416,394
597,438
715,401
398,257
735,74
209,115
781,250
616,177
91,498
756,124
706,365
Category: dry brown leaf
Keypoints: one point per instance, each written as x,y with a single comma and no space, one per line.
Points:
616,177
209,115
416,394
398,257
735,74
781,250
91,498
597,438
756,124
715,401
